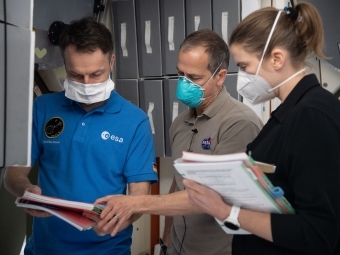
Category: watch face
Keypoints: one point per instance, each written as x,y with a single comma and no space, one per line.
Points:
231,225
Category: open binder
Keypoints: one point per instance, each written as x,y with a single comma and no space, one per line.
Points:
66,210
237,179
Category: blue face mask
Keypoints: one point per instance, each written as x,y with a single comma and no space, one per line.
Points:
190,93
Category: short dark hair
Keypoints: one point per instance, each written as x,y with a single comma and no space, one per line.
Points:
215,46
86,35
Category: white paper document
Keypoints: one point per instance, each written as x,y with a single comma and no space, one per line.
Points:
233,181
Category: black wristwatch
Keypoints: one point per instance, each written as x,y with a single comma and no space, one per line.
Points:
232,220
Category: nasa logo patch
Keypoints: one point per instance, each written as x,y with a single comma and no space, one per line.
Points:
206,143
54,127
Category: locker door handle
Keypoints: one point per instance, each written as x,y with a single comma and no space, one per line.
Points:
171,28
224,26
174,110
150,110
123,39
197,22
148,36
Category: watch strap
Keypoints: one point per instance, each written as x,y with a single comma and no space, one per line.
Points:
232,220
234,212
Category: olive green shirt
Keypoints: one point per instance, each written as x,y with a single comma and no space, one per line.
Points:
226,126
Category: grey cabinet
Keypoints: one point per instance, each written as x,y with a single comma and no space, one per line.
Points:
151,101
226,15
173,33
124,21
149,38
198,15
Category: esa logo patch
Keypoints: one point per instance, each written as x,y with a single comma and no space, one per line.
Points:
54,127
107,136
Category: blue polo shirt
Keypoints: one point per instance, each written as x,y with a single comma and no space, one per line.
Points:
84,156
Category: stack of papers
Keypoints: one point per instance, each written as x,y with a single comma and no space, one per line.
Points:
237,179
69,211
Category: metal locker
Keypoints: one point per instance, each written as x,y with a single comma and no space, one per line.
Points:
172,107
149,38
151,101
124,21
173,33
198,15
226,15
128,88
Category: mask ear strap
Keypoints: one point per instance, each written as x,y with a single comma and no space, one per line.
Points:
218,68
288,79
217,91
268,40
214,73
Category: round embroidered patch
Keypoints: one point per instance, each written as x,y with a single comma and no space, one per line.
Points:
54,127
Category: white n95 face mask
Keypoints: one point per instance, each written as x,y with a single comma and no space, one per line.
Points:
88,93
256,89
253,87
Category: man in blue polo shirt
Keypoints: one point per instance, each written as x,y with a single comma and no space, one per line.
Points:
89,142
